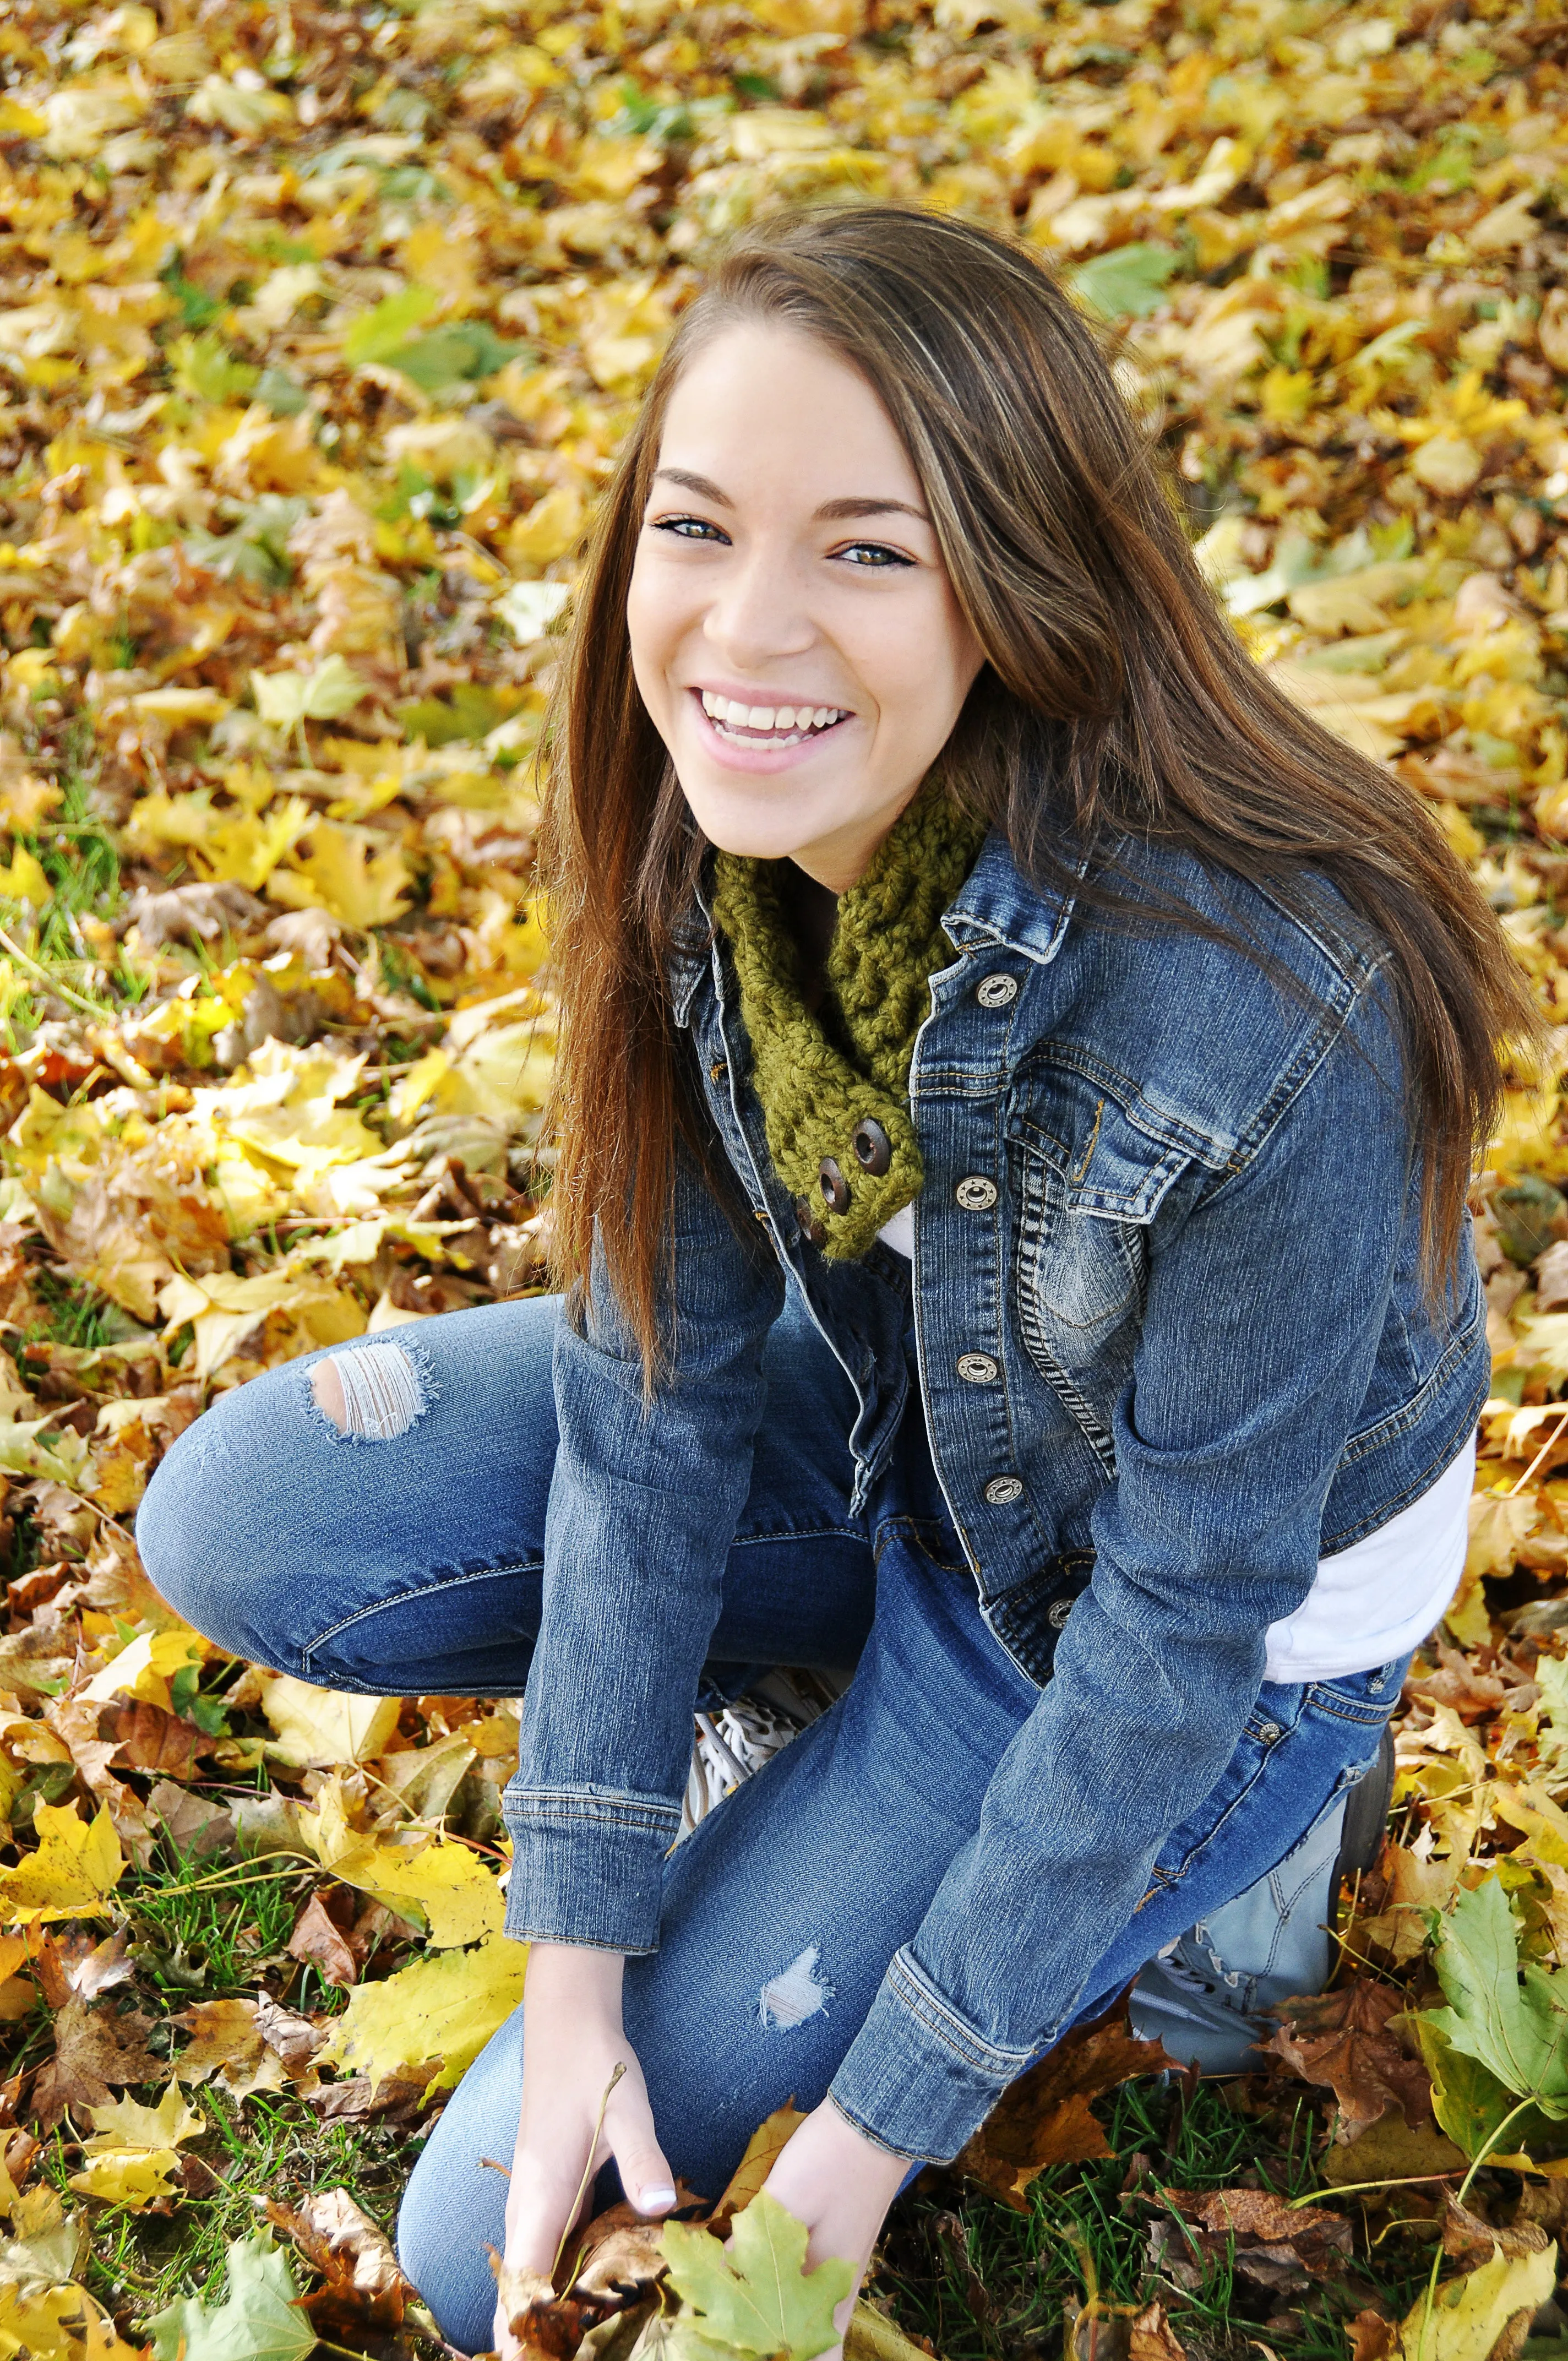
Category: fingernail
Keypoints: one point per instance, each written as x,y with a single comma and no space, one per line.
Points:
652,2200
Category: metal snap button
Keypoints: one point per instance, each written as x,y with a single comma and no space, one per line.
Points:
813,1228
873,1147
978,1369
1269,1731
1057,1613
996,991
976,1194
1002,1491
835,1188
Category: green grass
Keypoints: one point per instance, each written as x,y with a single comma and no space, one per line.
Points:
266,2147
204,1925
985,2283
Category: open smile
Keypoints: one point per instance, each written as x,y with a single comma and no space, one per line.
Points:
766,729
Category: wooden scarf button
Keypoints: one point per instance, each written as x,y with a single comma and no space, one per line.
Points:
871,1145
835,1188
814,1230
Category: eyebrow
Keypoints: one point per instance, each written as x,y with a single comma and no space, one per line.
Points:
830,510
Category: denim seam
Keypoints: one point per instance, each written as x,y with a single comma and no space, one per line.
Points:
1289,1086
1409,1413
877,2139
1441,1460
522,1808
922,2002
530,1931
401,1598
802,1533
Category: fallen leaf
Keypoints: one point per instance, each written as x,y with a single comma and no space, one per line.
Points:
93,2047
754,2295
444,2008
1044,2117
76,1865
1468,2317
131,2155
1342,2038
259,2320
319,1941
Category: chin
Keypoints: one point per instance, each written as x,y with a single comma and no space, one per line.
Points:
768,820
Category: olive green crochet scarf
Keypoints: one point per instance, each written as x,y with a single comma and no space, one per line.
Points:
835,1087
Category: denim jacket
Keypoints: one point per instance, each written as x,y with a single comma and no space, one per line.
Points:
1173,1345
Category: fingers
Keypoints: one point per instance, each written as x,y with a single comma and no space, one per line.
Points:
645,2174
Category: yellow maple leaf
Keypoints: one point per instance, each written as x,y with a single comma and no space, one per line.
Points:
131,2155
445,2008
327,1726
76,1864
1467,2316
443,1886
57,2323
143,1668
344,875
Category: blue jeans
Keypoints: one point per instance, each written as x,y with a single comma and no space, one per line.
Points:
414,1565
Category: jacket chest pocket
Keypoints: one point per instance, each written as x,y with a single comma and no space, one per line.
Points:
1087,1181
1080,1275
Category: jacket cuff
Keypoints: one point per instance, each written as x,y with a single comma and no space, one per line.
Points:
917,2078
587,1865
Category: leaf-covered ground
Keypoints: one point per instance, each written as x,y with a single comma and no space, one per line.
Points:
318,329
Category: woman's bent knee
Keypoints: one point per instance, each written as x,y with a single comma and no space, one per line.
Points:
214,1528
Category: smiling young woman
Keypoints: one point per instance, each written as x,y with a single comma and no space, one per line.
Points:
1018,1080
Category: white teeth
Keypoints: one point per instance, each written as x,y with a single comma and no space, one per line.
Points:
769,719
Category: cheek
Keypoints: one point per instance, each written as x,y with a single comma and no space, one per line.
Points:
921,673
652,630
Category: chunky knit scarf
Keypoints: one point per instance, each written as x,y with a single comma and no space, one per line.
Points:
835,1087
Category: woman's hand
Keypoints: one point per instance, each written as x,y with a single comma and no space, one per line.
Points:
572,2047
840,2185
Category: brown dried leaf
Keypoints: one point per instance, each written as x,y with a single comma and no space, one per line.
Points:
364,2287
621,2254
1152,2337
1341,2039
146,1739
1471,2240
1277,2244
1371,2337
319,1941
294,2038
1044,2119
94,2049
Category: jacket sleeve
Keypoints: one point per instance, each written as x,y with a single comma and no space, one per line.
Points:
644,1502
1209,1534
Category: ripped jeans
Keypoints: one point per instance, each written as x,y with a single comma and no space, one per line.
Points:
404,1557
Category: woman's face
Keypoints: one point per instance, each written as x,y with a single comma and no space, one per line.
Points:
794,632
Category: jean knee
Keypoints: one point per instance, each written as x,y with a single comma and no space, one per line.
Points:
197,1531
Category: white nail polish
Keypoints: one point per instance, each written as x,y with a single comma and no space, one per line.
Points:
652,2200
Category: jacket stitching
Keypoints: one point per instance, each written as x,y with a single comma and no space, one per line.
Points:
926,2005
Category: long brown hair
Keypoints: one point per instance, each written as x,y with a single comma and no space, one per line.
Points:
1116,699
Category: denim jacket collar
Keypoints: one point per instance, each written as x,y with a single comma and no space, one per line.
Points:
993,905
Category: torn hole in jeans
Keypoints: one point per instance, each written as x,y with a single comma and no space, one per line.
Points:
788,1999
374,1393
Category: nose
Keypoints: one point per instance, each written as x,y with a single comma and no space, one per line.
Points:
760,612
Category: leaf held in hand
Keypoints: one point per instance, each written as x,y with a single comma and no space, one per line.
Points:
758,2296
